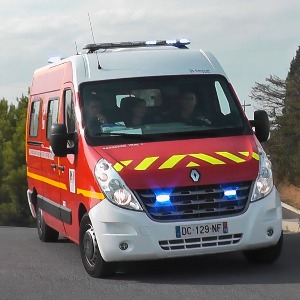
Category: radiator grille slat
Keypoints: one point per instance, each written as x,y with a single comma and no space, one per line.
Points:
196,202
205,242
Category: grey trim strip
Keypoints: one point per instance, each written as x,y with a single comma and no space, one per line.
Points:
57,211
34,143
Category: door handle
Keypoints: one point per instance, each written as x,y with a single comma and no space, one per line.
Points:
53,166
61,168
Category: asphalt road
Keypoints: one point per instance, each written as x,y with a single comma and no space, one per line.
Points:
30,269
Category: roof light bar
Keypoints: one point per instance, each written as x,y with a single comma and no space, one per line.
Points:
179,43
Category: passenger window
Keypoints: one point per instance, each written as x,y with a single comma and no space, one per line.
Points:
69,111
34,118
52,115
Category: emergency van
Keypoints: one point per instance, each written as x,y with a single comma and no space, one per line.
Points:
141,150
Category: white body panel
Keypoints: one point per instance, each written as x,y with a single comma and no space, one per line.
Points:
142,62
114,225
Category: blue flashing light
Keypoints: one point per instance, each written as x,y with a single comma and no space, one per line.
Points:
163,198
230,193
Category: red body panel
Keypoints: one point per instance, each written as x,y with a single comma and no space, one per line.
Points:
185,155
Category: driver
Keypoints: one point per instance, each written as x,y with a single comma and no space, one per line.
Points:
94,114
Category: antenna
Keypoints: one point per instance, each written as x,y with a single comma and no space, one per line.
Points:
99,67
76,48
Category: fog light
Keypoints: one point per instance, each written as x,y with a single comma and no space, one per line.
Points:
270,232
123,246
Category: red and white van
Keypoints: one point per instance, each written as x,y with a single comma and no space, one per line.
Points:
171,167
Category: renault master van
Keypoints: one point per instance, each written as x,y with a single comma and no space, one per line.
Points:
141,150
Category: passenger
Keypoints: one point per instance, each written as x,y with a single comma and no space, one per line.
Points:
94,115
185,108
133,111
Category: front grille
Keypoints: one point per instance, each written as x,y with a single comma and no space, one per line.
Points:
192,243
196,202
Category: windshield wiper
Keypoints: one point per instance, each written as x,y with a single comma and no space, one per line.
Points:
126,135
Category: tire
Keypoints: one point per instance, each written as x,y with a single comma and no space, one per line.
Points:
265,255
45,232
91,257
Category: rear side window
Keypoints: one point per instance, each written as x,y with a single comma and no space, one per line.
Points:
52,115
34,118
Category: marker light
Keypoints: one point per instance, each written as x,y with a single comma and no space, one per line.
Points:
54,59
163,198
151,43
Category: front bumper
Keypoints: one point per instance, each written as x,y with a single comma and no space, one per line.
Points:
148,239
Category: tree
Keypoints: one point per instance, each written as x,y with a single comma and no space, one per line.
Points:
13,202
288,132
281,99
270,96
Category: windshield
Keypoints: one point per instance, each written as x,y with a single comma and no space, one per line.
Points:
158,108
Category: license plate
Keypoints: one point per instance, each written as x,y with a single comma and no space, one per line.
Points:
190,231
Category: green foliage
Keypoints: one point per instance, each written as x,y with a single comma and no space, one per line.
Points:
13,183
284,144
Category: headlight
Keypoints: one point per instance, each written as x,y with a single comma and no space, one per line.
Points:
264,182
114,187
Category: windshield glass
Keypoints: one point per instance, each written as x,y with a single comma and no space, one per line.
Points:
158,108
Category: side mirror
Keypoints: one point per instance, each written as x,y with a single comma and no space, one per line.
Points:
59,140
261,124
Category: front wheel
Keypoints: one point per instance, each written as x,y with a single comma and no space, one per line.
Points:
265,255
45,232
91,257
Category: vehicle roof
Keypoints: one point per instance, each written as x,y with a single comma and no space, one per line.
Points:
140,62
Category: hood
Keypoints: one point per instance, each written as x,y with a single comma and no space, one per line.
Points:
173,163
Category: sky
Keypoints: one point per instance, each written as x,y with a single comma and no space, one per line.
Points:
252,39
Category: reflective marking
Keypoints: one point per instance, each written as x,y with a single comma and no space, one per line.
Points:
208,158
231,157
118,167
146,163
192,164
60,185
172,161
244,153
126,162
90,194
255,156
47,180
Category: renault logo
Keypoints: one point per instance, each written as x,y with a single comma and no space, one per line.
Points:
195,175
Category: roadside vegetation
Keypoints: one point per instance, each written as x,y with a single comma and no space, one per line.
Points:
279,97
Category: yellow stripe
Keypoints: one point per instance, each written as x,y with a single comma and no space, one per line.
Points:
90,194
60,185
126,162
208,158
118,167
231,157
47,180
255,156
244,153
146,163
192,164
172,161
